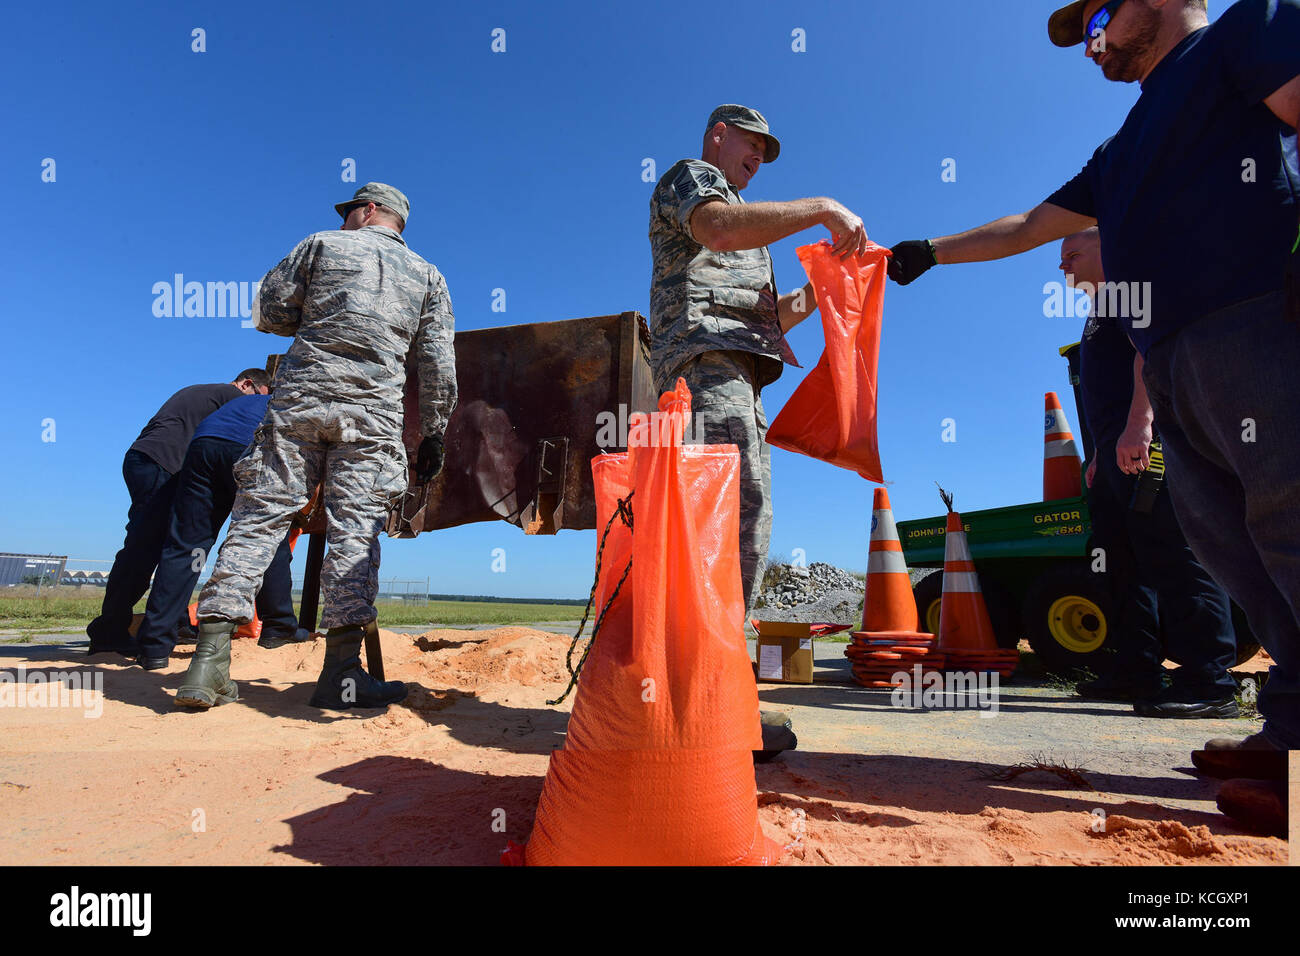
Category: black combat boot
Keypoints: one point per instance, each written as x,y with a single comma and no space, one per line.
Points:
343,683
208,682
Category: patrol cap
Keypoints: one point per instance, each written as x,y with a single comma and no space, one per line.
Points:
1065,26
381,194
742,117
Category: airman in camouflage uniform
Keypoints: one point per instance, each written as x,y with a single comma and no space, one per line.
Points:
356,300
715,316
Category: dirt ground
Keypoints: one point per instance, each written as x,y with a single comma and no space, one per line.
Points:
449,776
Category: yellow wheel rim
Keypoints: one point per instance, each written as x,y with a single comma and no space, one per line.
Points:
1077,624
932,616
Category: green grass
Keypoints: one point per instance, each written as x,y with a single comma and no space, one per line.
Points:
29,614
460,613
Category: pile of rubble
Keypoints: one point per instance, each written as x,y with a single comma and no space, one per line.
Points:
818,592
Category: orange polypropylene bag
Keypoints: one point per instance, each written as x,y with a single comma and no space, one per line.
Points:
657,768
832,414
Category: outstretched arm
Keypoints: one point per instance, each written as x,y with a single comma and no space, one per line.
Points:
726,227
1008,236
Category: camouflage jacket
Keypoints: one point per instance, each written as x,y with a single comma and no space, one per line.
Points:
701,300
356,303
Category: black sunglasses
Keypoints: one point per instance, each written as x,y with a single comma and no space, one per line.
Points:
1101,19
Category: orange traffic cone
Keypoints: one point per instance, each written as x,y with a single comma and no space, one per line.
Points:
889,642
966,637
888,604
1060,456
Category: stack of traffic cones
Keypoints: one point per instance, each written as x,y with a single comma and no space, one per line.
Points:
966,637
889,642
1060,456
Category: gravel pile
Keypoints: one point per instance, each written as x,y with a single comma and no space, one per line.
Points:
818,592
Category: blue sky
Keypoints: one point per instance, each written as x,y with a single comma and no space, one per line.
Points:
524,173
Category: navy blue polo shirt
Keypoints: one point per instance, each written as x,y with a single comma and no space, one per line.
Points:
1172,190
236,420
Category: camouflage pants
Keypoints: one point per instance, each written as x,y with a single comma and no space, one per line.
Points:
727,408
360,452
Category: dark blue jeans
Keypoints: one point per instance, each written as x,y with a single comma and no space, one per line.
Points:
205,493
1157,583
1224,391
151,489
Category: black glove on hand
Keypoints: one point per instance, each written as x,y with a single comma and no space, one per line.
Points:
910,259
428,460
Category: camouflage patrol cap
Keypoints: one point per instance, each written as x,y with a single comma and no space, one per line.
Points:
742,117
381,194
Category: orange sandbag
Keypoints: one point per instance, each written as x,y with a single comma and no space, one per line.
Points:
832,414
657,768
252,629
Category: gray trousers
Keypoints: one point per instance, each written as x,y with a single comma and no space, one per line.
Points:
727,410
1223,390
359,451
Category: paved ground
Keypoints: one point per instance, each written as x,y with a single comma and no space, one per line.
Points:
1143,758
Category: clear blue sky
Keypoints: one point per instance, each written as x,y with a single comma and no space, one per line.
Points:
524,173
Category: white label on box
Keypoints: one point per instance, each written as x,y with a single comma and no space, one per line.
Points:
805,643
769,661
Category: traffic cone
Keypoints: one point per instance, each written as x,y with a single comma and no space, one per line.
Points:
888,604
1060,455
966,637
889,641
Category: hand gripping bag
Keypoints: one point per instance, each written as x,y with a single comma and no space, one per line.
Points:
832,413
657,767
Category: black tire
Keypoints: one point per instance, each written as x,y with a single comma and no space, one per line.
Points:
1069,618
928,593
1003,613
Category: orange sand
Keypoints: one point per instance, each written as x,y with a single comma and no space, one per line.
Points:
454,772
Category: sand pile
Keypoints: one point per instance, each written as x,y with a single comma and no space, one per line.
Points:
453,773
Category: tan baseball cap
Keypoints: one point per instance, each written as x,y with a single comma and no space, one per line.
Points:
1065,26
743,117
381,194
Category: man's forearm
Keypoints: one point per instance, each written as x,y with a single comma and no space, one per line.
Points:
1010,235
793,308
726,227
1139,411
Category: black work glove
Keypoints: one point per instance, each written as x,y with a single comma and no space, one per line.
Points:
428,460
910,259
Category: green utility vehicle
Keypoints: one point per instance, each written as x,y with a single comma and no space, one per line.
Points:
1036,569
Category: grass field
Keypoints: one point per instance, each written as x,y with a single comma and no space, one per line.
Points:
29,614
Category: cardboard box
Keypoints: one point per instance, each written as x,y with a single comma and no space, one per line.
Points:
785,652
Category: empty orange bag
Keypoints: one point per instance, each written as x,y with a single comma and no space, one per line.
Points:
657,767
832,414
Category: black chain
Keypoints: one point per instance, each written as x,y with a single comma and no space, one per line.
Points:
625,512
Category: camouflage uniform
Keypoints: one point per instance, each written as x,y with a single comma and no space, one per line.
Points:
356,302
713,321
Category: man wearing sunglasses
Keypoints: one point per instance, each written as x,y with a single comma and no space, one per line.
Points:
356,301
1197,195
